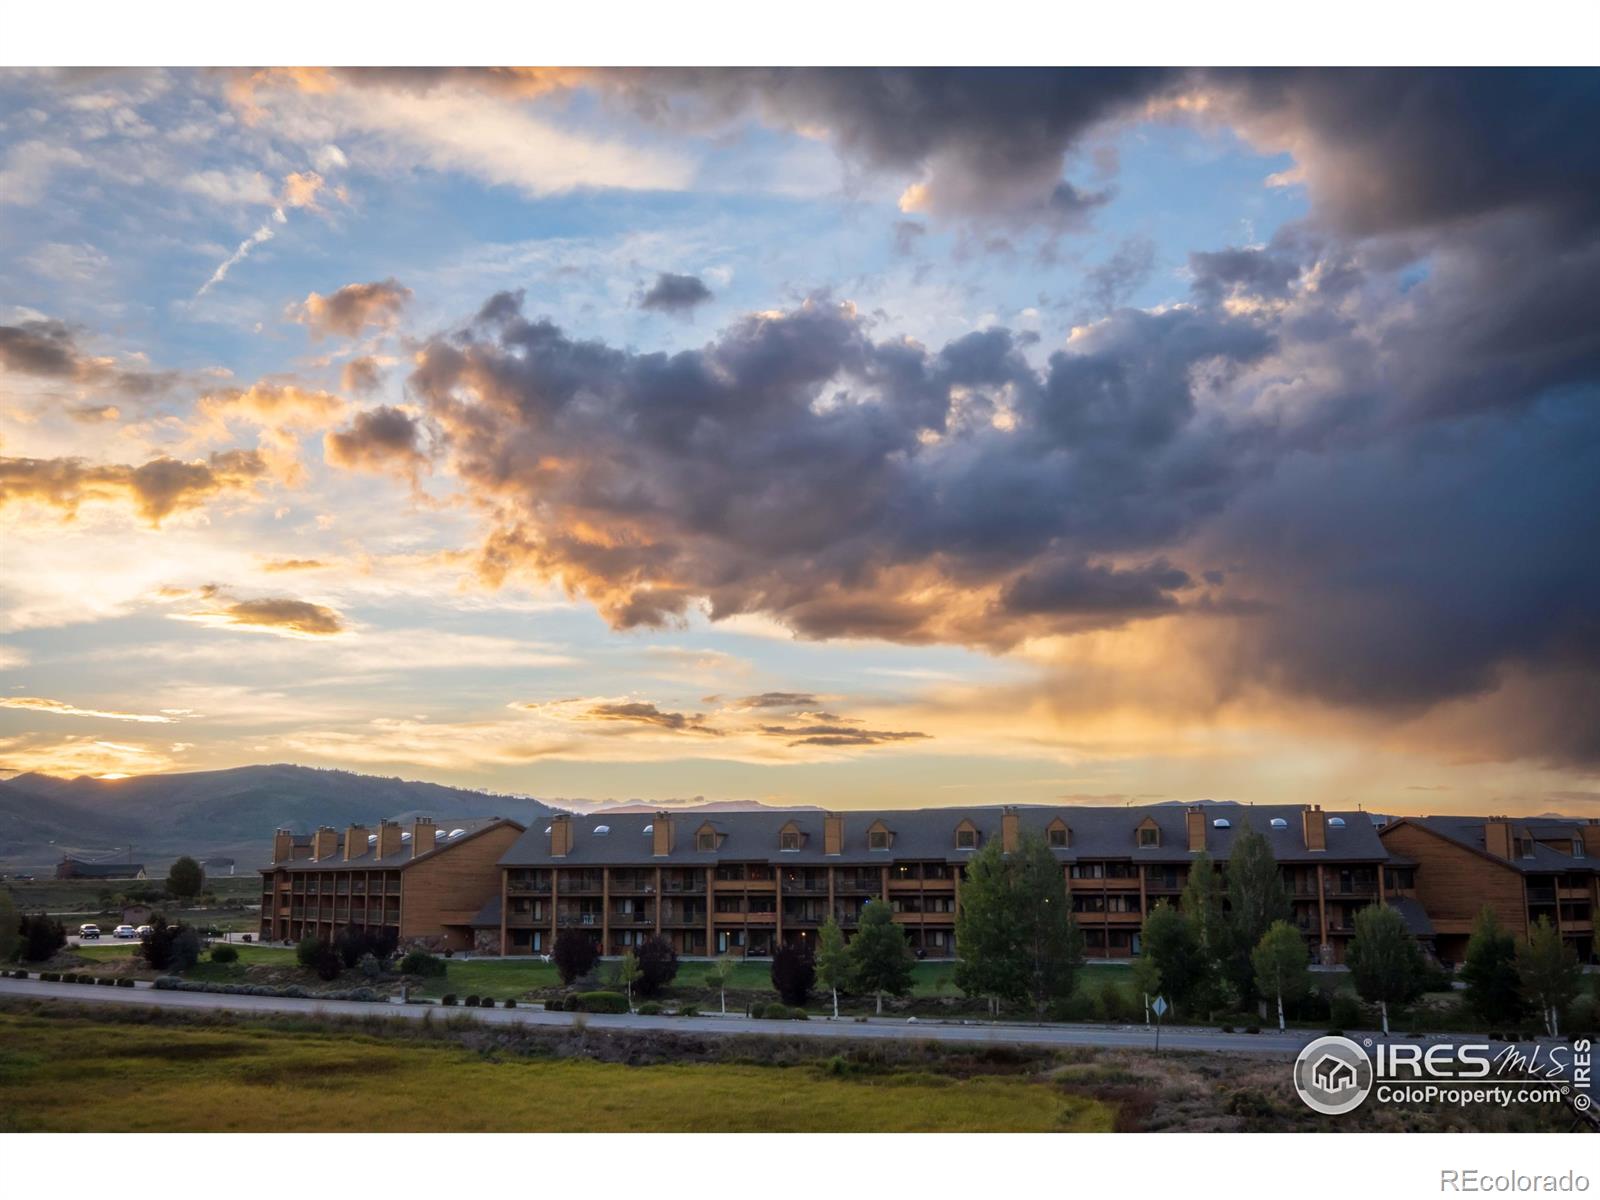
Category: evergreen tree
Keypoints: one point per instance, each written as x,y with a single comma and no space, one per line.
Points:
1384,961
880,959
833,961
1280,965
1049,945
1549,971
42,936
988,963
1172,944
1490,971
1256,898
793,973
658,966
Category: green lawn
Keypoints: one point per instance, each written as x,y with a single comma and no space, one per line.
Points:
77,1074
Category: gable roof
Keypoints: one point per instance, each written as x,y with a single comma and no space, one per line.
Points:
447,839
929,834
1468,832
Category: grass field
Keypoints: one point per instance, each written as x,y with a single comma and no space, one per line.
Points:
84,896
74,1074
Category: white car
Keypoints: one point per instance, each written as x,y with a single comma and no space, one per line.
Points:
145,930
89,933
125,931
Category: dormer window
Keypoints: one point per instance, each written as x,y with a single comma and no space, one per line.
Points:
1058,836
879,836
1149,834
1577,847
1524,848
789,841
706,841
966,839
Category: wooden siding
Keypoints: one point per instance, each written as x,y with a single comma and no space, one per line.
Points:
1454,883
451,886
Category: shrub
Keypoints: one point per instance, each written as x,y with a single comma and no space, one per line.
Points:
168,983
793,973
224,954
124,982
1077,1007
650,1008
41,937
1114,1004
420,962
1344,1011
574,954
470,1002
352,945
658,966
106,981
555,1004
308,950
600,1002
510,1003
369,966
448,1000
688,1010
782,1012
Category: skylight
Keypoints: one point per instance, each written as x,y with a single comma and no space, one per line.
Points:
1222,823
602,830
1336,822
1278,823
649,829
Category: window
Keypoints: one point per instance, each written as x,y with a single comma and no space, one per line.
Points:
706,841
1222,823
1278,823
1058,836
1149,837
1335,822
1577,847
966,839
789,841
878,840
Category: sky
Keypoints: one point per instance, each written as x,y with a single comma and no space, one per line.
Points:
865,438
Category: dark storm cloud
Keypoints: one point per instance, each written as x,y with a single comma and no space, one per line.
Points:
676,294
1078,587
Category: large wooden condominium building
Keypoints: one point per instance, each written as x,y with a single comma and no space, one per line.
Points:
422,884
1521,868
747,882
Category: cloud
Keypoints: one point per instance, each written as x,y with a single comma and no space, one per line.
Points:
85,755
353,308
778,700
29,167
299,190
361,375
639,713
675,294
279,565
68,262
278,615
63,709
155,490
382,438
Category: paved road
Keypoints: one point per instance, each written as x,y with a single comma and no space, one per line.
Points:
1108,1036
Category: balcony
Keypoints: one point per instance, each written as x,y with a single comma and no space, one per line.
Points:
579,919
633,918
1541,895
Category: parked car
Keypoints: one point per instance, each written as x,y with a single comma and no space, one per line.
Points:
125,931
89,933
146,930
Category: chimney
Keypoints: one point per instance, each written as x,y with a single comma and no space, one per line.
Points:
389,841
1196,819
424,833
282,846
560,835
324,843
832,833
1314,824
355,842
1010,830
661,835
1497,837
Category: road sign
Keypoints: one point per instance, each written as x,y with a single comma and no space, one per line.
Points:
1159,1005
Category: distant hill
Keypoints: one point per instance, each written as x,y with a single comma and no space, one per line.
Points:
210,813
